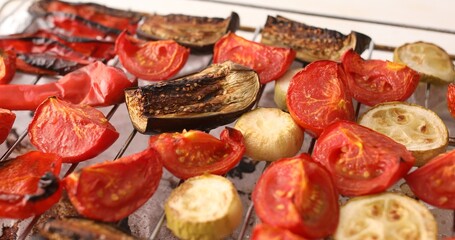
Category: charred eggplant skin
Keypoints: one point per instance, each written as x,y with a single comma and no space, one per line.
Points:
311,43
79,228
213,97
197,33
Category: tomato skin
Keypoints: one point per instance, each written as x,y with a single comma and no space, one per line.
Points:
269,62
360,160
317,96
7,66
153,60
451,99
375,81
7,119
20,177
265,232
434,182
110,191
297,194
74,132
194,153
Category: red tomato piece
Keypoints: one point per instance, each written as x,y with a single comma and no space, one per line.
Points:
74,132
6,123
110,191
194,153
451,99
264,232
376,81
317,96
434,182
298,195
152,60
7,66
269,62
20,195
360,160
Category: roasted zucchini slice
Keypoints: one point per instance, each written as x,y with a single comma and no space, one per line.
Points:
198,33
213,97
311,43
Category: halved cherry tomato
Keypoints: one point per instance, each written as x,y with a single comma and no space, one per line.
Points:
7,66
74,132
298,195
111,191
269,62
267,232
317,96
360,160
451,99
153,60
434,183
194,153
20,193
376,81
6,123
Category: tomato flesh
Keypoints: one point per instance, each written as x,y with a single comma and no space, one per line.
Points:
20,177
269,62
194,153
317,97
7,66
153,60
451,99
264,231
74,132
375,81
434,182
360,160
110,191
7,119
298,195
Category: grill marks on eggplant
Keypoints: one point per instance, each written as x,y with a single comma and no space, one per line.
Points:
214,97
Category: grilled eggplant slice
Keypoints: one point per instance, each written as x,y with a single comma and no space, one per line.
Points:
311,43
81,229
198,33
205,100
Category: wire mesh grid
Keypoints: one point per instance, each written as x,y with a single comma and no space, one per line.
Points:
149,221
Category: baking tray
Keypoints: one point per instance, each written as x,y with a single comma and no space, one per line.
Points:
148,222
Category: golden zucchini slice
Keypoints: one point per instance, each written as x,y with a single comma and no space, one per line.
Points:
418,128
431,61
269,134
385,216
204,207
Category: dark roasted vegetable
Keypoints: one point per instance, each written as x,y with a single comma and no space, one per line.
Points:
81,229
311,43
208,99
197,33
109,17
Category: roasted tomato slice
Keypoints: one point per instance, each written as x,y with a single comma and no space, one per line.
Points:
74,132
28,185
153,60
110,191
297,194
317,96
451,99
269,62
377,81
360,160
434,183
264,232
6,123
194,153
7,66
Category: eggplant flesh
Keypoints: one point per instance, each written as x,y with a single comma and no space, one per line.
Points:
198,33
213,97
311,43
81,229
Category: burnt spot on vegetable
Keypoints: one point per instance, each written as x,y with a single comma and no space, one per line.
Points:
213,97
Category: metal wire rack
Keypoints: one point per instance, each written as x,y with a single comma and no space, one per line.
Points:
244,177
